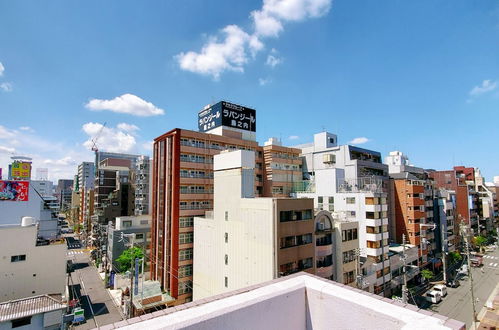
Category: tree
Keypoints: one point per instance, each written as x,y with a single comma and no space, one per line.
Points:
455,257
427,274
127,259
480,241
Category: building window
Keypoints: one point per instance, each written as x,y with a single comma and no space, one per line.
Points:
350,200
320,199
349,235
139,236
127,224
184,287
21,257
185,254
226,282
349,256
226,237
185,222
348,277
185,271
21,322
331,200
295,215
290,241
226,259
185,238
226,215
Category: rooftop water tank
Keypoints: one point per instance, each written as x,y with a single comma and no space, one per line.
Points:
27,221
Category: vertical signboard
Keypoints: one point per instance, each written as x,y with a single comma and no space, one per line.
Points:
15,191
229,115
20,170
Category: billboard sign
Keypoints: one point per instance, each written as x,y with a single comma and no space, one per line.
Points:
20,170
227,114
15,191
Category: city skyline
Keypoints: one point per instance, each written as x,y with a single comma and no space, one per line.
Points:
414,74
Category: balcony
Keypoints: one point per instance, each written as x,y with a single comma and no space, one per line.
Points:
323,250
366,184
375,252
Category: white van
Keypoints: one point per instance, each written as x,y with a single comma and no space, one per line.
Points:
433,296
440,288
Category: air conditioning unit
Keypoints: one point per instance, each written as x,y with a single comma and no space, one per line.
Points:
329,159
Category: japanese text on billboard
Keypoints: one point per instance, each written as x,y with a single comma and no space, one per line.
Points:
16,191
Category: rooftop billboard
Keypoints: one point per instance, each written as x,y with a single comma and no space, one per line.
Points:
227,114
14,191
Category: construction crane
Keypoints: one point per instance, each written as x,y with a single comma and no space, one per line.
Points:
95,147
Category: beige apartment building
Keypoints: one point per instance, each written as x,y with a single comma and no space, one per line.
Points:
247,240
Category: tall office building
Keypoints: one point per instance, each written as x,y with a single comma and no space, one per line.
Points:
182,183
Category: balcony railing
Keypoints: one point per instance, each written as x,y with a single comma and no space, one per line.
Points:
367,184
196,207
193,191
196,175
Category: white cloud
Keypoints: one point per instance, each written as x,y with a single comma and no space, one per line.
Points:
128,127
7,150
487,86
110,139
273,60
268,20
6,133
264,81
359,140
63,161
217,56
293,137
26,129
2,69
126,103
6,87
230,53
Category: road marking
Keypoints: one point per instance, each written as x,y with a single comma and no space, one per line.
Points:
495,264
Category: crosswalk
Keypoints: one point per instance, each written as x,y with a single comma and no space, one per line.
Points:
74,252
490,257
493,264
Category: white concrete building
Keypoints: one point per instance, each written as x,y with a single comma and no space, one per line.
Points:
33,313
247,240
299,302
11,213
397,253
28,268
351,182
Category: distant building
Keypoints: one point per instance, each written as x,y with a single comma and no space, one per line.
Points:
37,312
142,185
128,231
30,266
246,240
63,193
42,174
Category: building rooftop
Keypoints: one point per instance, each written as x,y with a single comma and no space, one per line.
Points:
299,301
25,307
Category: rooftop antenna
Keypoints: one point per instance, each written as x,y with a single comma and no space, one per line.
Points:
95,147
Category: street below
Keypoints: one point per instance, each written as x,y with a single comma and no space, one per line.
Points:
87,286
457,304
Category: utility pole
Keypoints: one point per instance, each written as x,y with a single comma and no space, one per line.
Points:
444,246
467,246
404,258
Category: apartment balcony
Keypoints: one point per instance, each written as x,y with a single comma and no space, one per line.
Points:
374,222
376,237
324,250
375,252
325,272
196,165
376,208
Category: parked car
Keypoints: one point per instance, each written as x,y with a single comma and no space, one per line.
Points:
463,270
453,283
442,289
433,297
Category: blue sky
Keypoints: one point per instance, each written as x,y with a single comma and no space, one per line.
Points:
416,76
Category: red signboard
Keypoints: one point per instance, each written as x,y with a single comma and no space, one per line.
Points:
16,191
